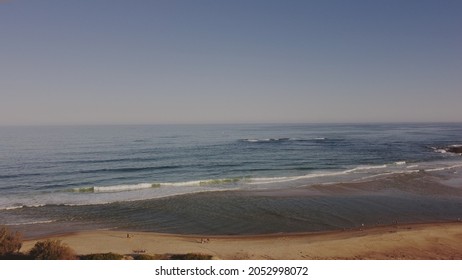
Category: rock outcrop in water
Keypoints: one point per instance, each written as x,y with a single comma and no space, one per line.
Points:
454,149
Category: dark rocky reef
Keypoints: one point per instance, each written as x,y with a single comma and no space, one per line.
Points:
454,149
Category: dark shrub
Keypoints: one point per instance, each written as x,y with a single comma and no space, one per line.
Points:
10,242
102,256
15,256
148,257
51,250
190,256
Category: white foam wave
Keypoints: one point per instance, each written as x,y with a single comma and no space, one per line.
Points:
183,184
231,181
99,195
369,170
142,186
367,167
30,223
270,180
121,188
436,169
267,140
26,203
12,207
388,174
253,140
443,168
207,182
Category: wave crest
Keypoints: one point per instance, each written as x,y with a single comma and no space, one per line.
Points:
142,186
116,188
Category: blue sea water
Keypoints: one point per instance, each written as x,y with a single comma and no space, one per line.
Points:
227,179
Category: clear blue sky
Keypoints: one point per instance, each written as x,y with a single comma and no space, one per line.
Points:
127,62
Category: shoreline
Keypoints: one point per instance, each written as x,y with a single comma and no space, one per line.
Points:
402,241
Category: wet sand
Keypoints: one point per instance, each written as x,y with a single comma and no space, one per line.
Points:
411,241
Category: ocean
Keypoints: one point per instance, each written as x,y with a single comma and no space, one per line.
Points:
228,179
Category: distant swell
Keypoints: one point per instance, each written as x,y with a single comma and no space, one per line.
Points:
129,169
91,161
19,175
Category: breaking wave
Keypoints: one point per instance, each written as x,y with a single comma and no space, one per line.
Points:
30,223
96,195
134,187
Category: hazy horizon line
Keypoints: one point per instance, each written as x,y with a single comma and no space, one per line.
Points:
236,123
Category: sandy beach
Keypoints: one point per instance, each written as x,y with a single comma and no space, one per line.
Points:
412,241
